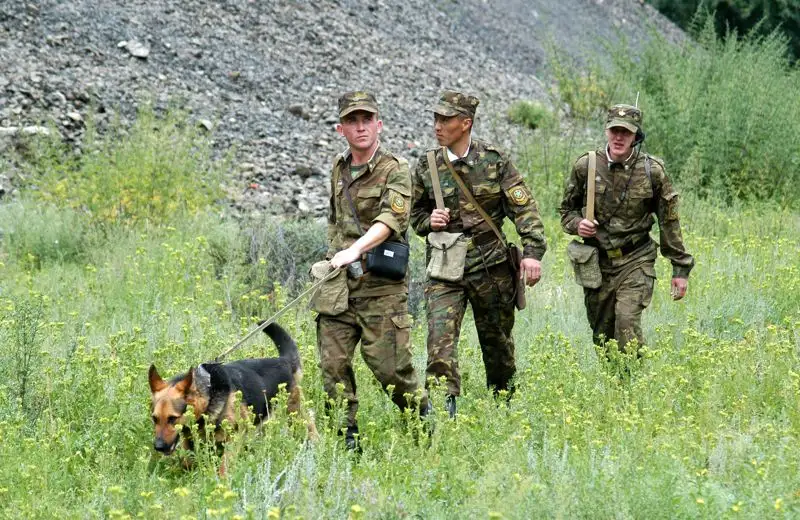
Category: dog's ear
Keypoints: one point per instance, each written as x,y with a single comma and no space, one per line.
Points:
184,385
156,383
202,381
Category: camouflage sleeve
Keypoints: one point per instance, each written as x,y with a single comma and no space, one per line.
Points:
396,198
421,207
669,225
571,208
520,207
332,216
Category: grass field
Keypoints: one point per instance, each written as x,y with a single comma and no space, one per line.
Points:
707,426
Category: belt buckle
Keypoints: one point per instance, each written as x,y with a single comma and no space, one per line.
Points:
614,253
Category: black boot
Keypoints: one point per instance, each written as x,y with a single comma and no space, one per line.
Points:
450,406
351,441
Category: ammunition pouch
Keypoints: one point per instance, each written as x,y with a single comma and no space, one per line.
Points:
585,261
448,256
330,298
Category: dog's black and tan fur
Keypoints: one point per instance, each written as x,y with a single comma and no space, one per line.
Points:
211,390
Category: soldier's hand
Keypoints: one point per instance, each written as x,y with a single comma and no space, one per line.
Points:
345,257
587,228
679,286
439,219
530,270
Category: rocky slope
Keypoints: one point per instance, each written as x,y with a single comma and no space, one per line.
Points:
265,75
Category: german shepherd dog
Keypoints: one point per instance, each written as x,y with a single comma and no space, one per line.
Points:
211,390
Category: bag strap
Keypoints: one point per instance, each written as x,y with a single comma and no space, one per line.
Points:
590,181
469,196
437,186
348,179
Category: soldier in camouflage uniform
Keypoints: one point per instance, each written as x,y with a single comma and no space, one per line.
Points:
487,284
377,314
631,186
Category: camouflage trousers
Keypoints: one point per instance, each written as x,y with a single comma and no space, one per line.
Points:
383,326
491,296
615,308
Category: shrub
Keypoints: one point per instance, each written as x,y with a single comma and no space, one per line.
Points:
531,114
157,169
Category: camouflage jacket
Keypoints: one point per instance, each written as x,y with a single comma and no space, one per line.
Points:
380,193
625,200
499,189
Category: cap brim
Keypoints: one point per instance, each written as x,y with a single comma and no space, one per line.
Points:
445,111
623,124
358,108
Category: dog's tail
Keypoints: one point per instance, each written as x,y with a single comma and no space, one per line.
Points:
286,345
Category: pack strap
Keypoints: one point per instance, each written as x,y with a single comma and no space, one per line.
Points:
437,186
348,179
590,183
470,197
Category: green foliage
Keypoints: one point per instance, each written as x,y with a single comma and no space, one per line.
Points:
743,16
156,170
531,114
37,234
580,91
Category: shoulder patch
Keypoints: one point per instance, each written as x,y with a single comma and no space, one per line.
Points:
398,203
519,195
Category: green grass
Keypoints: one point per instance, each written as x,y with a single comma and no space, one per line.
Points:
708,423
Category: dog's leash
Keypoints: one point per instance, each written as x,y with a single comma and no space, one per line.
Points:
277,315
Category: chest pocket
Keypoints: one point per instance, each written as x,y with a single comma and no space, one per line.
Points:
640,197
601,203
489,195
368,202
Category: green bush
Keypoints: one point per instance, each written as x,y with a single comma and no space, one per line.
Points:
761,16
722,112
282,251
39,234
530,114
157,169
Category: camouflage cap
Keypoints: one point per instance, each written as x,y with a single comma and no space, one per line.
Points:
452,103
350,102
626,116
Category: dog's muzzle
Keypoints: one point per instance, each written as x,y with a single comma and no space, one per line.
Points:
163,447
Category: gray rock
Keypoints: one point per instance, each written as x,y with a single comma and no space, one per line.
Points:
138,49
56,98
36,130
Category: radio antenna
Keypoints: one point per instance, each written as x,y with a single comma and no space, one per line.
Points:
637,100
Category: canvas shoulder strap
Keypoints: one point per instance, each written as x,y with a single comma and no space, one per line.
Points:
437,186
590,185
470,197
348,180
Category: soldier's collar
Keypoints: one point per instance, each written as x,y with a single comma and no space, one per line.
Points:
453,157
626,163
372,160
